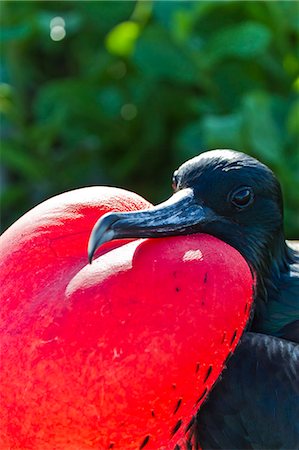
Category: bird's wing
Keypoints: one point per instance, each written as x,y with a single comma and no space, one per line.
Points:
255,405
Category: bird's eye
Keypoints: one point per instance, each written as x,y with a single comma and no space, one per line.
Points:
175,180
241,197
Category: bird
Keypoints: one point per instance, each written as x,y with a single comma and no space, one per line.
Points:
238,199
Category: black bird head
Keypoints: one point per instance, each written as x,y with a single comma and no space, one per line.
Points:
224,193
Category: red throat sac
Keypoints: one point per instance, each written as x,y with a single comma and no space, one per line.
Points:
119,354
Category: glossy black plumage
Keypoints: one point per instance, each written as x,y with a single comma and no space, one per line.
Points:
256,231
256,403
237,199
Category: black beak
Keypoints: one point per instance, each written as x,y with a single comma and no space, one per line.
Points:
180,214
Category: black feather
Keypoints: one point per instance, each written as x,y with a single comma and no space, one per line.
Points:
256,403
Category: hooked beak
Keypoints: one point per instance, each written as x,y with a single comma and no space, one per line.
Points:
180,214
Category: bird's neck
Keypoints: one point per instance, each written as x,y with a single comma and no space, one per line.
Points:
270,275
280,256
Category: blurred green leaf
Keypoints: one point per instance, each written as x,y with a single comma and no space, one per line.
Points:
59,99
246,40
112,99
293,119
189,141
105,14
5,91
185,18
165,10
122,38
15,33
158,56
197,74
262,132
223,131
20,160
286,13
9,198
6,99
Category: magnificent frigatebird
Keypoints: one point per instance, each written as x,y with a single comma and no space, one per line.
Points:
236,198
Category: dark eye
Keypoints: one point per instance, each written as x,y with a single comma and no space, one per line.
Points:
241,197
175,180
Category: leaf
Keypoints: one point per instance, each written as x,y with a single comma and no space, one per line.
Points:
112,100
58,100
293,119
263,134
286,14
14,201
189,141
19,159
165,10
247,40
122,38
203,74
158,56
223,131
104,15
180,17
15,33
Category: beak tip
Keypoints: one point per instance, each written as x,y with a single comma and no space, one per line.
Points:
101,233
93,244
90,252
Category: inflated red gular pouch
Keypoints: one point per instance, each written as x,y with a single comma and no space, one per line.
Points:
118,354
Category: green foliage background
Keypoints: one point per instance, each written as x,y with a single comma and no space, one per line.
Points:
136,88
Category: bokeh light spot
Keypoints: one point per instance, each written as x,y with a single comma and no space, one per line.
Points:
118,70
57,22
128,111
57,33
